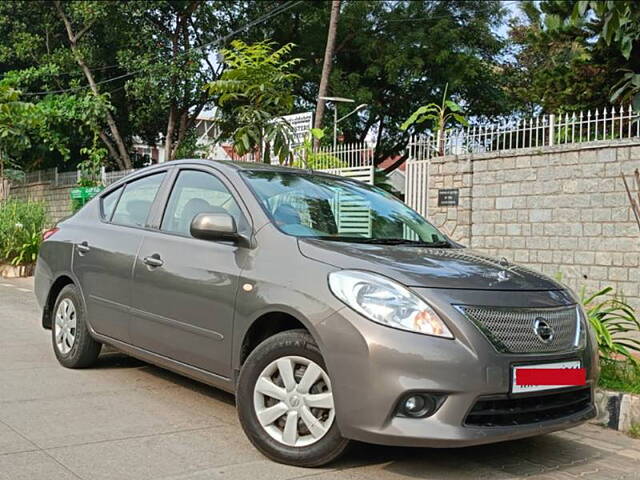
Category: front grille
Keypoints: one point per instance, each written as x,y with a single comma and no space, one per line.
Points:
505,411
512,330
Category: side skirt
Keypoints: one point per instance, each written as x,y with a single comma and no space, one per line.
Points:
185,369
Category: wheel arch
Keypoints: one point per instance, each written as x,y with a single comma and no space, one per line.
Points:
56,287
267,324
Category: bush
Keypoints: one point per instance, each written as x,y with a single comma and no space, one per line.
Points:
21,225
615,324
621,376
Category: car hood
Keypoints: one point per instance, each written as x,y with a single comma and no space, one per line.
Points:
460,268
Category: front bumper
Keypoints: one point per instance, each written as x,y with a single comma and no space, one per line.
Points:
372,367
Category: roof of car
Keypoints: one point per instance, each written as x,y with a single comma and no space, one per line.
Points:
233,165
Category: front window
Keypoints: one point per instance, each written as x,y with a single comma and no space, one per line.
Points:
318,206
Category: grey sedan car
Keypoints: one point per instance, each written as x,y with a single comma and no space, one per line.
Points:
332,310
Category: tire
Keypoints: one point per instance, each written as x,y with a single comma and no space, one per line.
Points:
72,343
313,447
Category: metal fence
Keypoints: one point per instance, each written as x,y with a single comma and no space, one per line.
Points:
353,160
612,123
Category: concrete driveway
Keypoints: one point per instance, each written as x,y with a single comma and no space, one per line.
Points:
125,419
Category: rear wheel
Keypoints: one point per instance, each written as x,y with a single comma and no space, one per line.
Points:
285,402
73,345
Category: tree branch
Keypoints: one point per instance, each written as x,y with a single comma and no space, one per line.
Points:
112,151
83,30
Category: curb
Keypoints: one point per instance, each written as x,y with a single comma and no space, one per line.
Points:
617,410
10,271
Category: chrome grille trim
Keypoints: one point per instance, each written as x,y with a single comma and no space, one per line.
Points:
511,330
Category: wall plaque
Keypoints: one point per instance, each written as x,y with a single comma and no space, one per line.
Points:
448,197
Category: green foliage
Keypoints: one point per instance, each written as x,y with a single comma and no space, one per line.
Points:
395,57
443,115
391,55
614,323
440,116
26,126
17,119
602,26
21,225
91,167
150,62
556,65
634,431
622,376
307,157
256,88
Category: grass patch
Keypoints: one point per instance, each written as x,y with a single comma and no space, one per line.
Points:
622,376
634,431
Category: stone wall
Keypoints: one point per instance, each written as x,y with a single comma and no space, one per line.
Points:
561,210
57,199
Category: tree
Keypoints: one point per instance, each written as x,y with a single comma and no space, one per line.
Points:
619,25
22,124
254,90
395,56
554,67
85,15
147,61
171,45
566,54
326,65
15,121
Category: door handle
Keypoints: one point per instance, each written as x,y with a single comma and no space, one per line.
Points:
83,247
153,260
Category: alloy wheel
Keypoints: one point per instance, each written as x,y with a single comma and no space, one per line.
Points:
293,401
65,326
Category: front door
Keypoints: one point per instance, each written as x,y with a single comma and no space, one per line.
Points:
104,257
184,289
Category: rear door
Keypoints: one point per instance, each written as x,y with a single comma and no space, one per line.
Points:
184,289
104,257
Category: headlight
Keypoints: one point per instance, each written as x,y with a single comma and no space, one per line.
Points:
581,327
387,302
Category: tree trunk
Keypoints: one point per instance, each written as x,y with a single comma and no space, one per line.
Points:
4,186
326,66
168,138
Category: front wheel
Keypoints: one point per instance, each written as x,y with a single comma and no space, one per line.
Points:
285,402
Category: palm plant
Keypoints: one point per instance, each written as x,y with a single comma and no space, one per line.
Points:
614,323
440,115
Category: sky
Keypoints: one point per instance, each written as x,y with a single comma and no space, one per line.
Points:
512,11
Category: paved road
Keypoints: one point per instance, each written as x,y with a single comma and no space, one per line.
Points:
125,419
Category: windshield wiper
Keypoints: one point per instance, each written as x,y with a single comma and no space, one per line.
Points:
386,241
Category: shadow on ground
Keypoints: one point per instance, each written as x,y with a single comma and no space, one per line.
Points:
113,359
526,457
532,456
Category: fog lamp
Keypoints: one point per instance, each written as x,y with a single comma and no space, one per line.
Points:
418,405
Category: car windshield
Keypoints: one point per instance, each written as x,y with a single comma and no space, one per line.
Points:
331,208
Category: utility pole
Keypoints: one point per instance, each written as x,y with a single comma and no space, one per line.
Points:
326,66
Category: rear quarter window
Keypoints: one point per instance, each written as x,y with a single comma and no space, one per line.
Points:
108,203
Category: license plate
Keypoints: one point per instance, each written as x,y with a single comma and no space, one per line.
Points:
515,388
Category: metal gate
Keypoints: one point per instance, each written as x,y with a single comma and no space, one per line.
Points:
417,174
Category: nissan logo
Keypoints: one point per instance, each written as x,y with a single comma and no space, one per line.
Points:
542,330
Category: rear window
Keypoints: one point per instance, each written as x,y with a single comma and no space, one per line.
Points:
136,200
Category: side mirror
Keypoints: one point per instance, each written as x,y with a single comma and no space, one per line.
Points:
214,226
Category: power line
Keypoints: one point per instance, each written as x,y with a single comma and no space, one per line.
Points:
270,14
